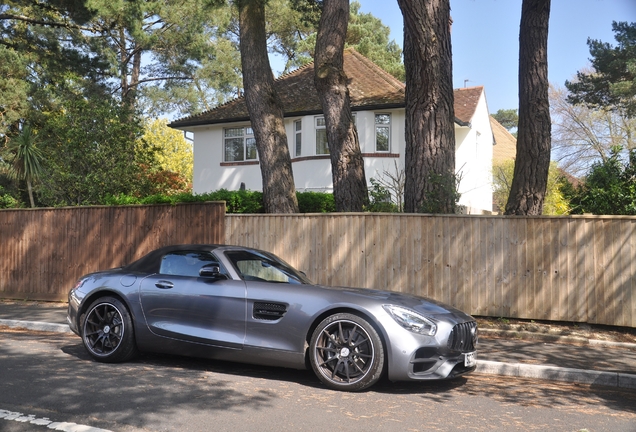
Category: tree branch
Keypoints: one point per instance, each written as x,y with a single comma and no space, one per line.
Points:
6,16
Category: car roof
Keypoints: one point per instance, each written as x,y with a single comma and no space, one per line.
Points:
150,262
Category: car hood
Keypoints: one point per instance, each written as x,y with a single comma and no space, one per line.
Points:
420,304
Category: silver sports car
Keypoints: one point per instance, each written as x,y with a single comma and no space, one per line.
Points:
246,305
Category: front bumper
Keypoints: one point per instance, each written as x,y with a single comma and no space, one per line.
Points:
443,356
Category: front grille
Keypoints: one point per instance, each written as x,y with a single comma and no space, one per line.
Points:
463,338
269,311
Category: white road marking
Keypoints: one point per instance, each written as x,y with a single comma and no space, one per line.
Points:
58,426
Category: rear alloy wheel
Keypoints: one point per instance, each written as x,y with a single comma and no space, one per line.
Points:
346,353
107,331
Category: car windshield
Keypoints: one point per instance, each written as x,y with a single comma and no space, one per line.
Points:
264,267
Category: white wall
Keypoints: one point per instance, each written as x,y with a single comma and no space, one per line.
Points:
473,159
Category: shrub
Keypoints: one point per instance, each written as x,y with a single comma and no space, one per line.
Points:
315,202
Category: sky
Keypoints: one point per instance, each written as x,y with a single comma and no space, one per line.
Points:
485,40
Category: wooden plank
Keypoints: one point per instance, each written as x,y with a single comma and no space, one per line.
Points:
622,269
630,299
483,285
459,249
548,267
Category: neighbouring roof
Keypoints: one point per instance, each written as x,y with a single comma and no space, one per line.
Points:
505,143
370,88
466,100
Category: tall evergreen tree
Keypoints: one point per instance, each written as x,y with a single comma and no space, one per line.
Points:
347,165
430,129
266,111
533,143
612,83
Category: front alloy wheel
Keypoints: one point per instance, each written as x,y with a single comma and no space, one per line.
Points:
346,353
107,331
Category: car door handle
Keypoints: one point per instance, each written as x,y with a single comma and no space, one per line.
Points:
164,284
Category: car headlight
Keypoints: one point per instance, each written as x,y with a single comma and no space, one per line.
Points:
411,320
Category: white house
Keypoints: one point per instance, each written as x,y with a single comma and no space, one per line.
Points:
225,151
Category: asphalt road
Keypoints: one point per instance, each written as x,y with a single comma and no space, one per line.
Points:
48,377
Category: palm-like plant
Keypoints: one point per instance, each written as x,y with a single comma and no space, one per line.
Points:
27,161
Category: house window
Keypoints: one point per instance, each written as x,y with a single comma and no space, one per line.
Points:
382,132
322,147
321,137
240,144
298,126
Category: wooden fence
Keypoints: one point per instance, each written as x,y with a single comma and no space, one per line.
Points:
579,269
44,251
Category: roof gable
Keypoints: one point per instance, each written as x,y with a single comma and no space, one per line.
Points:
370,87
505,143
466,101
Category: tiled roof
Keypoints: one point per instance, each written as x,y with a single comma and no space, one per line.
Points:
370,87
466,100
505,143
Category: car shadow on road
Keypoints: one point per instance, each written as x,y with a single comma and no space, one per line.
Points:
232,377
305,378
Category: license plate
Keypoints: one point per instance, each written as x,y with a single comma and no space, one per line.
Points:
470,359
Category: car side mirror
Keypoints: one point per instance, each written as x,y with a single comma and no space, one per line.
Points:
212,270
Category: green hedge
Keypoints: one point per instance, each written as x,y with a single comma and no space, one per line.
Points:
236,201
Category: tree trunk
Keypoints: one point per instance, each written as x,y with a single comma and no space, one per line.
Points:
533,136
347,165
430,114
266,111
30,189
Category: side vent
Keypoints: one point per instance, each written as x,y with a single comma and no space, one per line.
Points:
269,311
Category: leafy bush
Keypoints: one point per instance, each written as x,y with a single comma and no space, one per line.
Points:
236,201
608,189
7,201
315,202
241,201
380,199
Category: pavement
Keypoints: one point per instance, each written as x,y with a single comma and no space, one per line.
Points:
518,354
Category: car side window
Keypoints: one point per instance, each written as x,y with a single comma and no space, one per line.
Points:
253,267
185,263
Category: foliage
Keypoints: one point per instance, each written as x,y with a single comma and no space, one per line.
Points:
7,201
508,118
91,151
27,159
370,38
365,33
582,135
160,181
502,173
555,202
609,188
315,202
612,83
236,201
387,191
174,152
444,187
241,201
380,199
13,89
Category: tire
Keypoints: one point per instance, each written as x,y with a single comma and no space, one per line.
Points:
346,353
107,331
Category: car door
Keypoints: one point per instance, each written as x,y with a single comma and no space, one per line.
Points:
179,304
278,301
